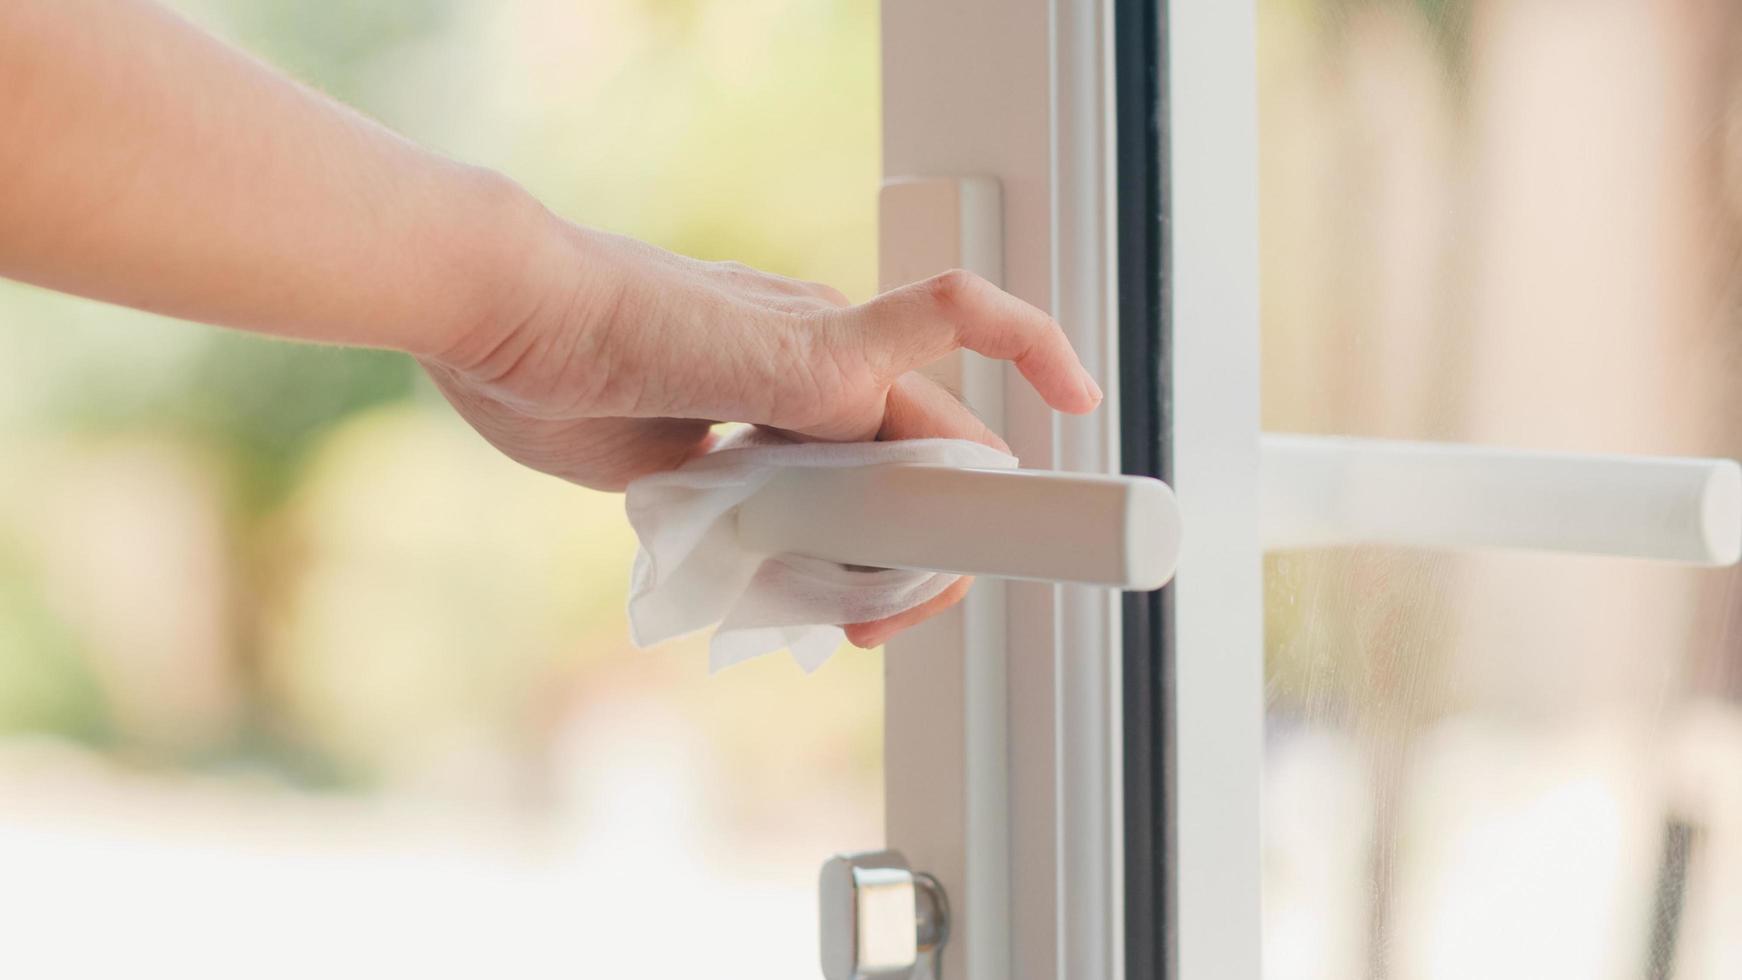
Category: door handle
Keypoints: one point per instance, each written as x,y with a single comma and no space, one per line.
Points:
1116,531
1318,491
1325,491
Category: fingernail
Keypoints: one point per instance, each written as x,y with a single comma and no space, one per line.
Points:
1093,389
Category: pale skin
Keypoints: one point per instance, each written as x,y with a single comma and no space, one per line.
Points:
145,163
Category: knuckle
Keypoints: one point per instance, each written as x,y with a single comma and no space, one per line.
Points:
952,287
831,294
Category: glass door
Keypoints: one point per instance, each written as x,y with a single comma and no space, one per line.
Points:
1505,225
1489,251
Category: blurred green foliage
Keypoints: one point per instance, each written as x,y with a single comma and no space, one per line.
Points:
264,404
329,45
45,681
1447,21
720,128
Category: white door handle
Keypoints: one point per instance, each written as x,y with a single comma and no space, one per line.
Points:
1320,491
1116,531
1124,532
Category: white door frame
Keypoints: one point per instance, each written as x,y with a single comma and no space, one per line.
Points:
1003,751
1218,604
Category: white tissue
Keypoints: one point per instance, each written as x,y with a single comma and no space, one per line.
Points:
691,572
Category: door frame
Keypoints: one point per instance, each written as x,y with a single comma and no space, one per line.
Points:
1006,740
1218,603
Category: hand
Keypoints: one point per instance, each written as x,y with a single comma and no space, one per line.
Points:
588,356
616,357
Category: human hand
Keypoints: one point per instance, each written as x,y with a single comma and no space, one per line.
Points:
589,356
614,359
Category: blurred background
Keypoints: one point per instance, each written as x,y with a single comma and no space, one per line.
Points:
1512,222
298,678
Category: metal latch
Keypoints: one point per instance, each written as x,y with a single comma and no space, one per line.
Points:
879,918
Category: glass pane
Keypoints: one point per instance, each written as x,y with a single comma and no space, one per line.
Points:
297,677
1520,224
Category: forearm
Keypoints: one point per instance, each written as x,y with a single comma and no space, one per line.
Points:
145,163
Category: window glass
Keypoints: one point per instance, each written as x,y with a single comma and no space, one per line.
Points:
1508,223
298,677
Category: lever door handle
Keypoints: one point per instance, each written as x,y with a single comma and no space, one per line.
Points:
1116,531
1124,532
1321,491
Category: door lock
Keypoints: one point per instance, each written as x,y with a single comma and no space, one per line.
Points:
879,918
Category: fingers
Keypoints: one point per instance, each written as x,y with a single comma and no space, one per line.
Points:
873,634
920,408
912,326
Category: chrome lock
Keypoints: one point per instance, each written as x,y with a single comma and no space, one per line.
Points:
879,918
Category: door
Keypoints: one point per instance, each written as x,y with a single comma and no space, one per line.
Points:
1441,688
1501,225
1082,815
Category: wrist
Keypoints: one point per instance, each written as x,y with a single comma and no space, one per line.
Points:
498,252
